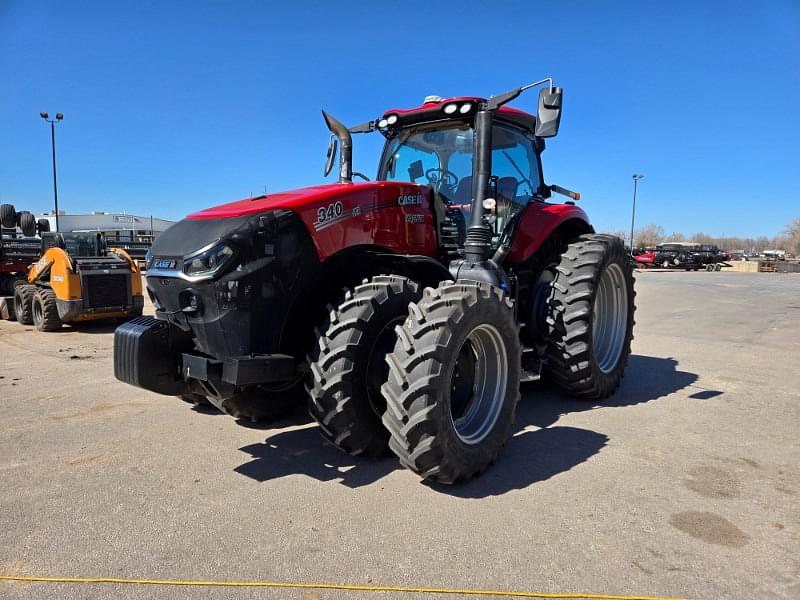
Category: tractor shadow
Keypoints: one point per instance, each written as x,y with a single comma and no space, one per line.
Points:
538,450
534,455
302,451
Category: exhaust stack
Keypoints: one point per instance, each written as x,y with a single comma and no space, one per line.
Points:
345,150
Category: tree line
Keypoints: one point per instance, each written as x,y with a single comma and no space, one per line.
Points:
652,235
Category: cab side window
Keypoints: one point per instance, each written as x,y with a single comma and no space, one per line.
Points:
515,173
514,165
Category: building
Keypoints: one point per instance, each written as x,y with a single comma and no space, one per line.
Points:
117,227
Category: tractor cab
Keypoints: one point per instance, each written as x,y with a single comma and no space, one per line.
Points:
440,155
479,157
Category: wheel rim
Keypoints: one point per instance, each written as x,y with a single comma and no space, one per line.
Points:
610,318
541,294
482,361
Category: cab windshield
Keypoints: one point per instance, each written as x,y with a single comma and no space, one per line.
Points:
75,244
440,155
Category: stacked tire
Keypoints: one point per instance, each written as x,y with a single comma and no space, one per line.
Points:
8,216
11,219
27,223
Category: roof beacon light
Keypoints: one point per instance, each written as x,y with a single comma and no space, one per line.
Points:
432,99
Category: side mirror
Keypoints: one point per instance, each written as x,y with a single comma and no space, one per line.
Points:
331,155
548,116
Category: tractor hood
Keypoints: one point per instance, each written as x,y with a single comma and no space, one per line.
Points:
318,209
296,199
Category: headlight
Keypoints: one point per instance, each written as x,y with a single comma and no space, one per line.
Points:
208,261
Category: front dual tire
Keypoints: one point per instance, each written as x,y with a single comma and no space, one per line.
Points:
434,377
348,365
453,383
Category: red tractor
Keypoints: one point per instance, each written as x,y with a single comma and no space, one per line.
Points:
405,311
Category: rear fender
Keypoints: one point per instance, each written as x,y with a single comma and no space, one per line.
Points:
538,222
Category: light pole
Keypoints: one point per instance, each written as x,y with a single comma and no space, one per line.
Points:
53,122
636,178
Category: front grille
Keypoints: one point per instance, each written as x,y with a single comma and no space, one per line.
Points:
105,291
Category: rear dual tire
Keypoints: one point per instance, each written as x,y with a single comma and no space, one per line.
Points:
590,317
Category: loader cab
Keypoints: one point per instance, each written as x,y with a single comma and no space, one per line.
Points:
440,155
76,244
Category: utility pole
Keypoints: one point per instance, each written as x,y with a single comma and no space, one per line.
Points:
53,122
636,178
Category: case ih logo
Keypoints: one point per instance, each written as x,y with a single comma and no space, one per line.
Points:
409,199
164,263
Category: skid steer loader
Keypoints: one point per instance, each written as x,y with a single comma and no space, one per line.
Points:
78,279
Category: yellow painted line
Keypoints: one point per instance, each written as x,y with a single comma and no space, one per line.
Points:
328,586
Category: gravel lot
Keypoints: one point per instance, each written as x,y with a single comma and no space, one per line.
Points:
684,484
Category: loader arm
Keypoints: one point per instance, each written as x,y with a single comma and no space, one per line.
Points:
42,268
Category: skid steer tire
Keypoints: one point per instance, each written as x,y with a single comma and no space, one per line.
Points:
460,338
590,317
44,311
43,225
8,216
27,223
23,303
348,367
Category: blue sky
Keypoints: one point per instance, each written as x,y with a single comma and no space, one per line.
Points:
174,106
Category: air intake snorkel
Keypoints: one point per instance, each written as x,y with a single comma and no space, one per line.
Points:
478,262
345,152
478,243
